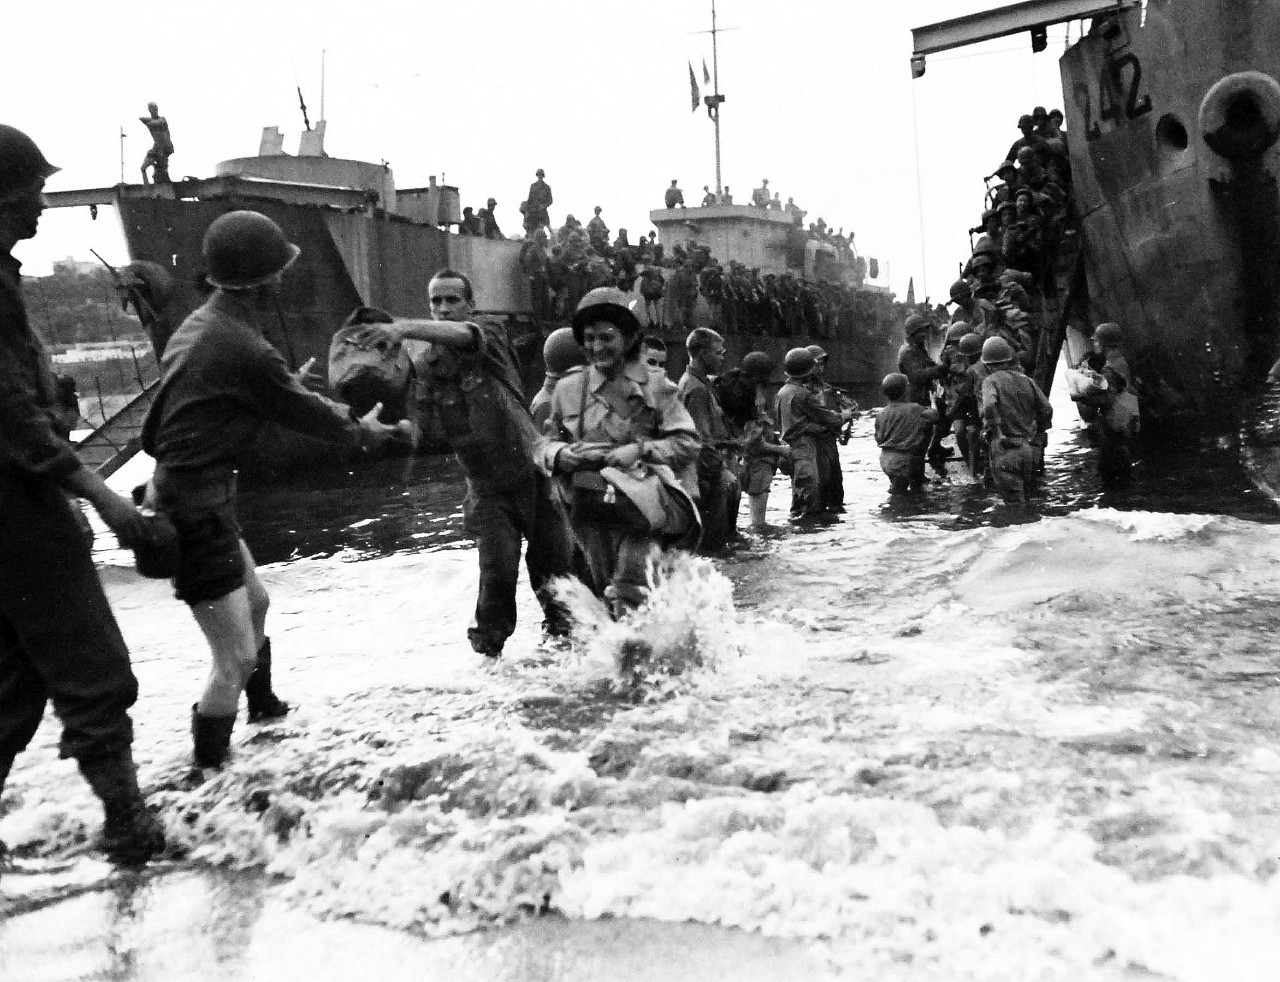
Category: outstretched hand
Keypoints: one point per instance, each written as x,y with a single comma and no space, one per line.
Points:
367,336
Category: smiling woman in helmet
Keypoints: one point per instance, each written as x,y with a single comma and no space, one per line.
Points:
222,384
621,445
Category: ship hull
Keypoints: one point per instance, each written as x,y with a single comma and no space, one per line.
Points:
349,259
1180,237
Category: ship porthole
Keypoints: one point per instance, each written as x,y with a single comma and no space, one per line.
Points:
1171,134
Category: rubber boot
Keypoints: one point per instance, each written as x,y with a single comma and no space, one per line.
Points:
211,737
130,833
263,702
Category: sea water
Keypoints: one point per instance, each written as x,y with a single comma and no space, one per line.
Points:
937,738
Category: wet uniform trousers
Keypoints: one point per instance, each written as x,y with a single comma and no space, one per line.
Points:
59,641
1015,408
719,491
475,400
830,477
803,421
499,521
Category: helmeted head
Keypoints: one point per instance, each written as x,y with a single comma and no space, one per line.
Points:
971,345
1108,335
996,351
540,173
1056,116
983,265
1026,157
916,327
961,292
1025,123
895,386
491,204
598,209
1007,171
22,165
606,303
955,332
561,351
1039,115
246,249
798,363
757,365
673,182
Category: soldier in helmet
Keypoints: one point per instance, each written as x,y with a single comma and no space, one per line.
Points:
757,429
903,429
598,232
561,354
537,203
674,197
59,642
1015,413
157,157
469,389
620,444
830,478
1030,138
1114,414
803,420
222,383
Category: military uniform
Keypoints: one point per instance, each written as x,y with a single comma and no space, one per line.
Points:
1017,412
474,399
58,639
803,420
718,489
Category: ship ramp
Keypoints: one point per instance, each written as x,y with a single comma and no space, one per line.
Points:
112,444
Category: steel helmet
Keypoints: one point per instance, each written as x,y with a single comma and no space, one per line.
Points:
244,249
798,362
915,324
960,290
605,303
956,331
561,352
971,345
995,351
895,385
817,350
1108,334
986,246
21,163
757,364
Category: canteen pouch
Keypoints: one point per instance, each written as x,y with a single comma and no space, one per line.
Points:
597,502
156,555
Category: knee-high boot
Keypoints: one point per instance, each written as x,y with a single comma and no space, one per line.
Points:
263,702
130,833
210,737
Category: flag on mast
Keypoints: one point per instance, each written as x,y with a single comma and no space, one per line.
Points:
706,75
693,88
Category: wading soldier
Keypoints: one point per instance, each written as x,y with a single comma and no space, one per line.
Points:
222,383
59,642
719,492
469,390
1014,414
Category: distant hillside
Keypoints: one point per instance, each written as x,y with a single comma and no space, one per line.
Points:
69,308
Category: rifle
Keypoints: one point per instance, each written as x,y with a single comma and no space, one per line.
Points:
845,400
129,291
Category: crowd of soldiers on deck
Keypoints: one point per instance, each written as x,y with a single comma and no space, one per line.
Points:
564,263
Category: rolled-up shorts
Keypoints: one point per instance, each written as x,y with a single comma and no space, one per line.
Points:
201,506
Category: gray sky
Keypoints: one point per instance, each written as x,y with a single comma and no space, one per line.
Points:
820,101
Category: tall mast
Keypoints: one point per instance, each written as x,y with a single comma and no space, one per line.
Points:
716,98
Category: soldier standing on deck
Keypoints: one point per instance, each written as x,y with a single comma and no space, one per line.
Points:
536,204
59,642
469,388
157,157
